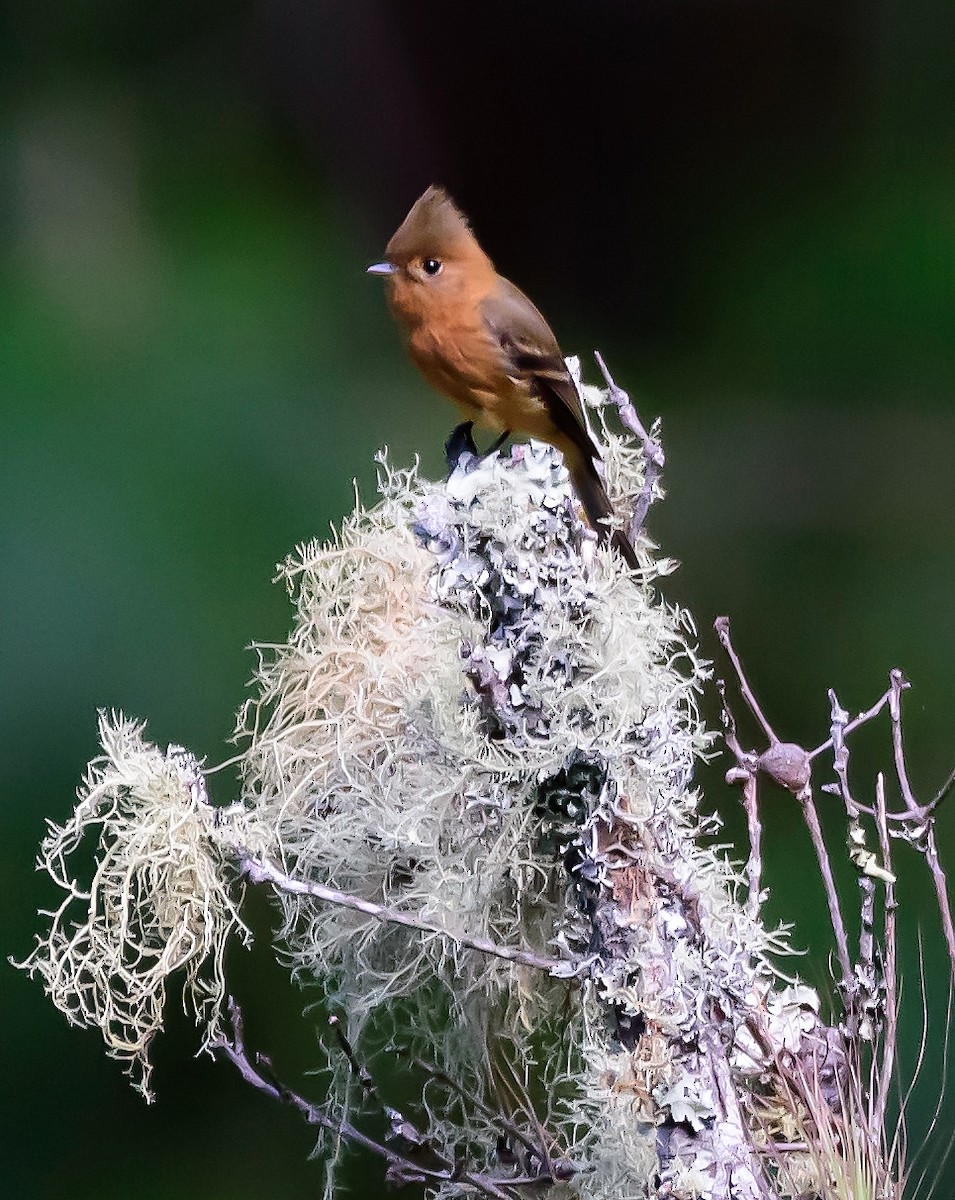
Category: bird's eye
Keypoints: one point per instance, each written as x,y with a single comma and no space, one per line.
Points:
431,265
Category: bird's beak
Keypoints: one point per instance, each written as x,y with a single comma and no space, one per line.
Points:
385,268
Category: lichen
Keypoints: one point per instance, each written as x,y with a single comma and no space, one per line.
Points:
160,899
483,721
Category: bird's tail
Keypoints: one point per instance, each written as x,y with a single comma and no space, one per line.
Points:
593,496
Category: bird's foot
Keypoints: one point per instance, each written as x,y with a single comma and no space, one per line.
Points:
498,443
460,450
459,445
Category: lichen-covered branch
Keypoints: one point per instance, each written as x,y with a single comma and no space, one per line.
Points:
467,778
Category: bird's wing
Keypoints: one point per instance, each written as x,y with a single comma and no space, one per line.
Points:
533,353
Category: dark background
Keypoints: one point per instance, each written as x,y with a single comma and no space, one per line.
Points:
748,207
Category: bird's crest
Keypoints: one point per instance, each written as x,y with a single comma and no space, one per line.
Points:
435,227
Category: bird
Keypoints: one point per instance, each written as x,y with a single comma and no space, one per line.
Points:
480,342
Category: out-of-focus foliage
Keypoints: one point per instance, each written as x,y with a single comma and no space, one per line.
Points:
748,208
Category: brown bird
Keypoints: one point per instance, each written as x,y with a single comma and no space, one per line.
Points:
478,340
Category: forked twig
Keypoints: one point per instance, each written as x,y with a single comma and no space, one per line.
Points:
402,1168
788,764
257,1071
912,821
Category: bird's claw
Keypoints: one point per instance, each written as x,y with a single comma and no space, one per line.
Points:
498,443
460,446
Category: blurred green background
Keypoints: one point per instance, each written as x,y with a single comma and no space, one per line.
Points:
749,208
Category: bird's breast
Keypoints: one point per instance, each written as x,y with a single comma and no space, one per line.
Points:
462,361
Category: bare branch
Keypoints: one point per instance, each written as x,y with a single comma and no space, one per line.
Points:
941,892
745,773
861,719
788,764
754,861
252,1072
927,840
886,1069
865,977
262,870
829,884
402,1168
944,790
722,627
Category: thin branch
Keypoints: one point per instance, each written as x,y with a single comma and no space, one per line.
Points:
402,1169
859,856
930,847
745,772
234,1050
944,790
367,1083
829,883
746,760
899,684
509,1127
754,862
263,870
803,794
722,627
941,892
854,724
890,1033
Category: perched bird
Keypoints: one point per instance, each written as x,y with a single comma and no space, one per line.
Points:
479,341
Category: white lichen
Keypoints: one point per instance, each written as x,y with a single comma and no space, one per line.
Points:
160,900
455,654
483,722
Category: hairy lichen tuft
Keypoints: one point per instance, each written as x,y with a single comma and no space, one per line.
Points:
159,900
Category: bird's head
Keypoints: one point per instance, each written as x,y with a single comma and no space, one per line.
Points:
433,254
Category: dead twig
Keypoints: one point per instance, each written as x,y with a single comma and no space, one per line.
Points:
403,1167
263,870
